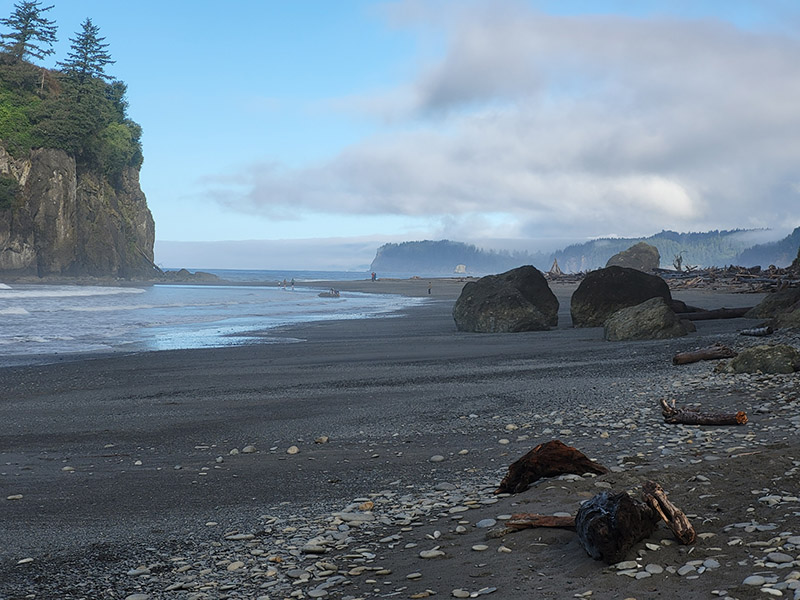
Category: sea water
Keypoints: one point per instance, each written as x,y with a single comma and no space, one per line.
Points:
43,323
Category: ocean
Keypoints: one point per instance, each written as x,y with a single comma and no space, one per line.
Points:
42,323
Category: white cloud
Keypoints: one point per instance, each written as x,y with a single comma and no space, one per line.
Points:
572,125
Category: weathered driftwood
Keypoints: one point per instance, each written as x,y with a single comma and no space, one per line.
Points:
656,498
546,460
688,416
528,520
717,313
757,331
609,525
714,352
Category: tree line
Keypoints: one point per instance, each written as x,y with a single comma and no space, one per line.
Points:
77,107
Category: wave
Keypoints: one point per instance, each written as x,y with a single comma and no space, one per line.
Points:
3,286
14,310
66,292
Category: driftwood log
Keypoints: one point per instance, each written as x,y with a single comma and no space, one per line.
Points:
533,520
656,498
550,459
609,525
688,416
757,331
717,313
714,352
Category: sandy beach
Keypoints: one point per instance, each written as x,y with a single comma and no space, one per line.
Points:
323,468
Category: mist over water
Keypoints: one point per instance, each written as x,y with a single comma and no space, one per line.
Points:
42,323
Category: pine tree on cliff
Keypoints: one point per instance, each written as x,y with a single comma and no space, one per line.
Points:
31,34
88,57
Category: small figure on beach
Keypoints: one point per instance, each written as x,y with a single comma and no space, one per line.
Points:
374,276
293,283
430,284
284,283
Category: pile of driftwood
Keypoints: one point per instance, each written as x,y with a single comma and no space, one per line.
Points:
736,279
608,525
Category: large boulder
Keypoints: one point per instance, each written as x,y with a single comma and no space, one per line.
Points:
605,291
653,319
641,256
518,300
778,358
774,304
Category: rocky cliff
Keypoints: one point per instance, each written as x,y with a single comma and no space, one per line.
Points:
62,220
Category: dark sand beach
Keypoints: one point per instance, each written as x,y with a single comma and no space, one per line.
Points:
173,474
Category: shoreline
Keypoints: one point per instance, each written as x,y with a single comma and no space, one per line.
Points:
390,394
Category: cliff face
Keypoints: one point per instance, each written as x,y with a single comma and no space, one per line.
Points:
67,221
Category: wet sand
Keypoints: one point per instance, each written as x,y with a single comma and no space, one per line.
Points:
116,458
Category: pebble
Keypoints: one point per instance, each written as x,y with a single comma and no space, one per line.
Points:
436,458
459,593
415,575
435,553
480,547
292,450
485,523
754,580
248,449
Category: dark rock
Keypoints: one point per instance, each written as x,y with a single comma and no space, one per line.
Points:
70,221
774,304
651,320
779,358
605,291
518,300
609,525
547,460
641,256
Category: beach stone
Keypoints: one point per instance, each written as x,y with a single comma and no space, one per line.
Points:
778,358
485,523
431,553
459,593
436,458
641,256
754,580
249,449
514,301
138,597
780,557
292,450
653,319
605,291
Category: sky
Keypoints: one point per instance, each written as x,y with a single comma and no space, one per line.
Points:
326,128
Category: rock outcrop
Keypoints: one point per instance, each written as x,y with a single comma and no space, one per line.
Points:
778,358
782,308
517,300
641,256
653,319
68,221
605,291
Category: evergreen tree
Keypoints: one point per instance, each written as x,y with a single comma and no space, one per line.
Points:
88,57
31,33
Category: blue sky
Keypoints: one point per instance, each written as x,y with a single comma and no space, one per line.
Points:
524,124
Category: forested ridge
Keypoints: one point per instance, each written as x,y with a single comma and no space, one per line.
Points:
696,249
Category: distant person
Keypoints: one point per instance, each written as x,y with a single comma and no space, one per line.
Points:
374,276
283,284
293,283
430,284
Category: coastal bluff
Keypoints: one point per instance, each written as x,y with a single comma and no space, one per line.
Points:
64,220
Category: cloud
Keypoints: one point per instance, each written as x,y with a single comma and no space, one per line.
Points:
576,124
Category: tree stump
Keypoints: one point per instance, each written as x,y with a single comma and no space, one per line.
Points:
609,525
